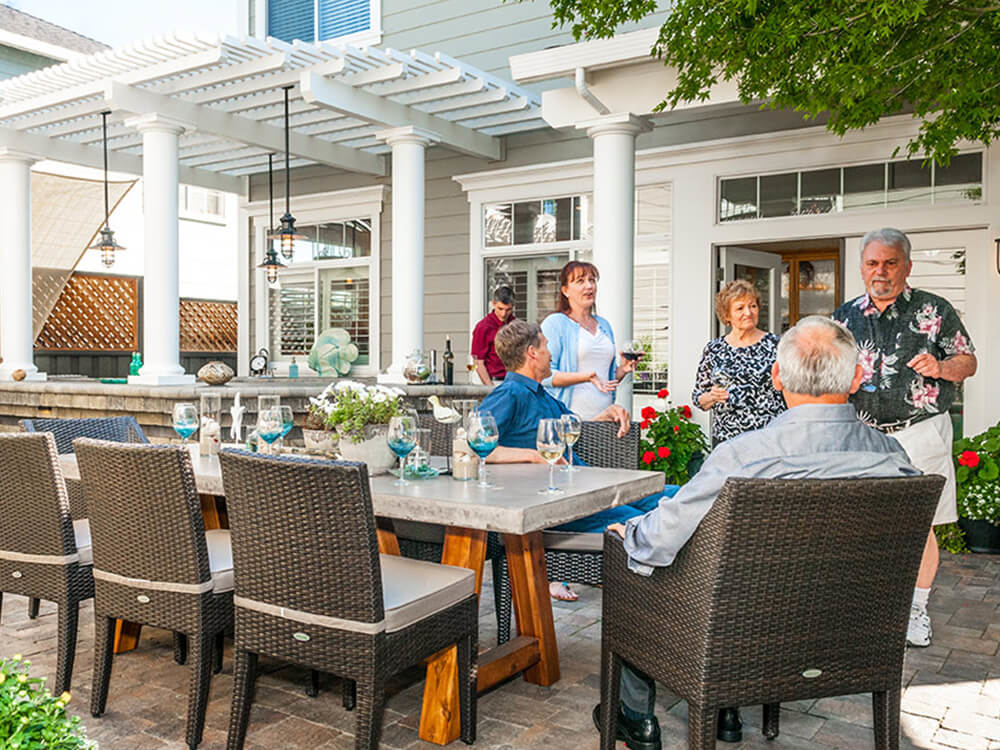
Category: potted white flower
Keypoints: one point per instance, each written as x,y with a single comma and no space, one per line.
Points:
359,414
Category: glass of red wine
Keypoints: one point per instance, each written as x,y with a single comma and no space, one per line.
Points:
633,350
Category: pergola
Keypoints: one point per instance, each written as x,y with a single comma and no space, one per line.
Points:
208,111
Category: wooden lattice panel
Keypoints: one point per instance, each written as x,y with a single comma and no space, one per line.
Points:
208,326
94,313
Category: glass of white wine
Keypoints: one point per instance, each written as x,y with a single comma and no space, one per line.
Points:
571,428
551,446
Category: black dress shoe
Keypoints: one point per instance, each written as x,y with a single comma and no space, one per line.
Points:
637,734
730,725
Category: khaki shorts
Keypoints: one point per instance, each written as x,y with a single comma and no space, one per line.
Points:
928,444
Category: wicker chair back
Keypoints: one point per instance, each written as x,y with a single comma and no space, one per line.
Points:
788,589
145,515
441,434
600,446
34,507
65,431
303,534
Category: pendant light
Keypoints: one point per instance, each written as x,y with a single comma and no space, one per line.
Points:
106,244
287,235
272,263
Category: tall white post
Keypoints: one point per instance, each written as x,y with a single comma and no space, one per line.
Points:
161,292
408,147
614,224
16,334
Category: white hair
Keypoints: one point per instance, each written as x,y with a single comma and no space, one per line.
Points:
816,357
890,238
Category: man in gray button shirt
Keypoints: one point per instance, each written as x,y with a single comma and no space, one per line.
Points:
818,437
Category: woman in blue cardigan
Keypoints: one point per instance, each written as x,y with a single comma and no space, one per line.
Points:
585,371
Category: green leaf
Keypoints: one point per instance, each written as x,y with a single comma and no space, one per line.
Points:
988,470
961,474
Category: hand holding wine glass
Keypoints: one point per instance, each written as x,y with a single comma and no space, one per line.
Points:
551,446
402,439
483,436
185,421
631,353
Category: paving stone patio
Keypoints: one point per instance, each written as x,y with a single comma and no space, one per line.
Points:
952,696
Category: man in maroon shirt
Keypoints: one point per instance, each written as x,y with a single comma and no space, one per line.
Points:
488,364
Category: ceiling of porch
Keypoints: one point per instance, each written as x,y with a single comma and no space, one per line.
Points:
229,93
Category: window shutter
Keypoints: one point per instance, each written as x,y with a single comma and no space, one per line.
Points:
342,17
293,318
289,20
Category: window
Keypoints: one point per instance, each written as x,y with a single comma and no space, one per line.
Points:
202,203
319,20
818,191
526,244
328,284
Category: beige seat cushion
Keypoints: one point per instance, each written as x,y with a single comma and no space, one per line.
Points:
574,541
414,589
81,530
220,559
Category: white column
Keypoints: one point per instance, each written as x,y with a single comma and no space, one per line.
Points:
161,295
16,334
614,224
408,146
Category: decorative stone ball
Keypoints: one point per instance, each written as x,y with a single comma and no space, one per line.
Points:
216,373
18,375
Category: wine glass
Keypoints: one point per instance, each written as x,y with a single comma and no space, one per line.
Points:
287,421
185,420
270,425
571,426
470,368
721,379
551,446
483,437
633,350
402,439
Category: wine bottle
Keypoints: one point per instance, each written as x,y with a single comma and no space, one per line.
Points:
448,360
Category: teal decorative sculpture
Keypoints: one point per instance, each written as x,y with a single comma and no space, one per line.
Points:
333,353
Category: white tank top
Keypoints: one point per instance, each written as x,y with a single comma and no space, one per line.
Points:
595,354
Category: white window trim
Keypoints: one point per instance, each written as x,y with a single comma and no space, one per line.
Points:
340,205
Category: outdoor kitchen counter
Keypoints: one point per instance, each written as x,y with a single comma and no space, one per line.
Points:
152,405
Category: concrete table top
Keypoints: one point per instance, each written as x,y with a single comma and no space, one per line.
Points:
515,508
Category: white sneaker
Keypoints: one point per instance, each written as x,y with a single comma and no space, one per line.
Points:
918,634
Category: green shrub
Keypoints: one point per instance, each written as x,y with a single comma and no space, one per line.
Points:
30,717
977,474
671,442
951,538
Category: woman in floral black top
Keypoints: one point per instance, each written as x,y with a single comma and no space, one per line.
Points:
734,375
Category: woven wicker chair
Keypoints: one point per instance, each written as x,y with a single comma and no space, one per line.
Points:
154,563
311,589
788,590
44,554
65,431
573,557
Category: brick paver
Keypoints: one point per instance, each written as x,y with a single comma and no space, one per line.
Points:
951,700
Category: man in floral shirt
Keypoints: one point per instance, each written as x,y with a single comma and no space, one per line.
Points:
914,352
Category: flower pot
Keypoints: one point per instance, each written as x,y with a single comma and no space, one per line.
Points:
981,536
320,441
373,450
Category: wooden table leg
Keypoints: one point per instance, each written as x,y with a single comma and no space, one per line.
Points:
440,718
388,544
127,633
532,606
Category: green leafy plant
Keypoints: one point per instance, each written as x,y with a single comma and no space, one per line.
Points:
31,718
671,442
348,407
951,538
977,473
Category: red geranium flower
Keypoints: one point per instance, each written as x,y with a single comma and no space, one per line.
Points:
969,458
677,428
644,424
686,411
662,393
648,457
648,412
663,451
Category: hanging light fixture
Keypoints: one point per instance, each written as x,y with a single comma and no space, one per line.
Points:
287,235
106,244
272,263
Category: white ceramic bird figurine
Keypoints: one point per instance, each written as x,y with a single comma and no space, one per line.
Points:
444,414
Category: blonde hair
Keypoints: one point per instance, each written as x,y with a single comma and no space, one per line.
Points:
731,292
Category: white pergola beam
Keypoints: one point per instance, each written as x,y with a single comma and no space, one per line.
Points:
224,75
250,132
348,100
74,153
